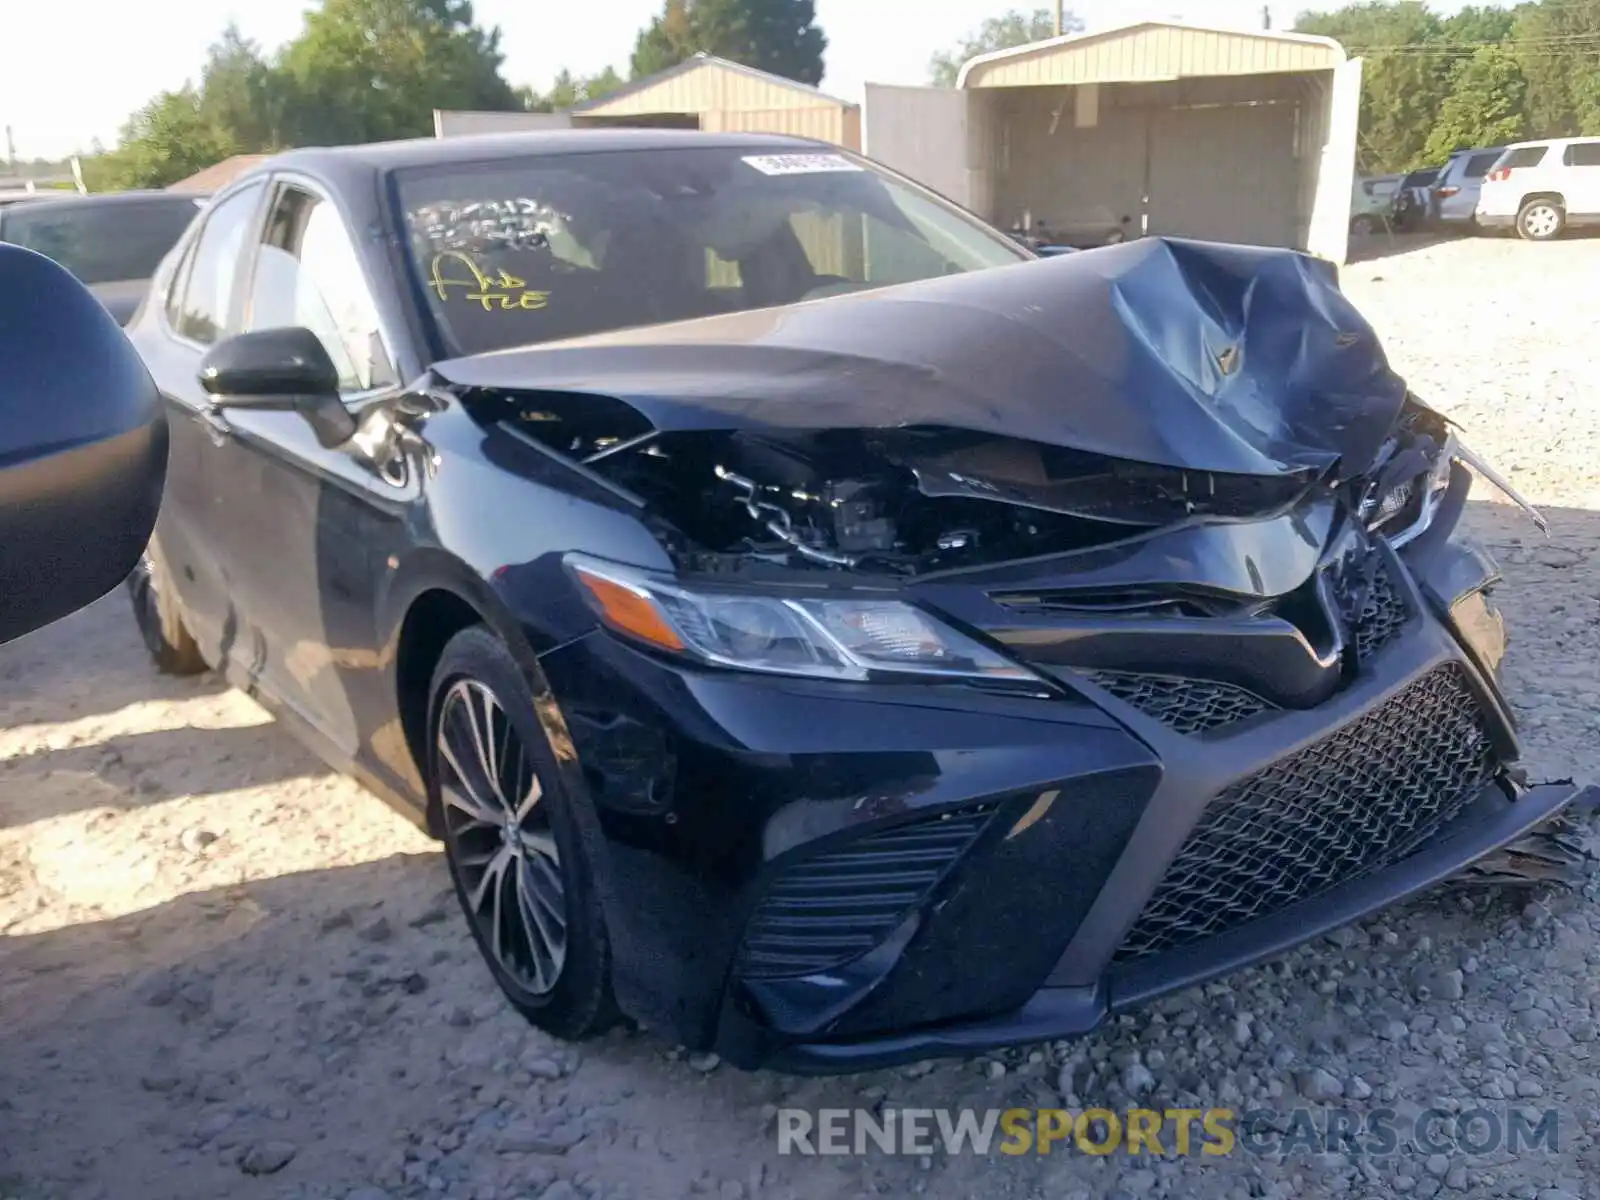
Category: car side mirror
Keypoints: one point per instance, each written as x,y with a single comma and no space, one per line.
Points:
286,368
83,446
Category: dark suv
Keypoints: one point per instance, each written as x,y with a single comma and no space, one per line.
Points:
113,241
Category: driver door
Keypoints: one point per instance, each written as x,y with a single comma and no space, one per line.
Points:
325,520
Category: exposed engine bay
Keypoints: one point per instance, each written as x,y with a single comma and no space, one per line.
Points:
912,501
1103,399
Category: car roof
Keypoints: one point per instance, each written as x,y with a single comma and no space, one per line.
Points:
72,200
347,162
1562,141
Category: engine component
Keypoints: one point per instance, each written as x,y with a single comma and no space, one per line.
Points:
778,522
859,521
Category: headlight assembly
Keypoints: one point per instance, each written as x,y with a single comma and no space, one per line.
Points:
846,639
1406,511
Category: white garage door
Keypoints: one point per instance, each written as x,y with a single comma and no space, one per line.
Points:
1225,174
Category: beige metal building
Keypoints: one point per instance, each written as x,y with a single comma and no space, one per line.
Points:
704,92
1153,127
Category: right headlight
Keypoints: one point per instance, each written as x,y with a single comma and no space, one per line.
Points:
1406,512
830,638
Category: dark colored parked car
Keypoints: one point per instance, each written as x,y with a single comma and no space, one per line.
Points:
112,241
1413,202
812,624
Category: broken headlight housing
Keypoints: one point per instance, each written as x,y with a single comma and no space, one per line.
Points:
820,638
1406,511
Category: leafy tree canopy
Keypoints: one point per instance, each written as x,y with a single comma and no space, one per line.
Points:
1482,76
569,90
361,70
1013,28
778,36
370,70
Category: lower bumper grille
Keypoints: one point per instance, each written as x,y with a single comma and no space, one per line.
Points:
835,906
1356,802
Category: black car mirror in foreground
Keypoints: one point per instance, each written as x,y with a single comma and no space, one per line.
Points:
286,368
83,446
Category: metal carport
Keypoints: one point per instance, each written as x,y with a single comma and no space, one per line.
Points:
1149,128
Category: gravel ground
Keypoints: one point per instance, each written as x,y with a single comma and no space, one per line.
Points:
225,972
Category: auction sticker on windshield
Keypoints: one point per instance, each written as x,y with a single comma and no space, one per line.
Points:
800,164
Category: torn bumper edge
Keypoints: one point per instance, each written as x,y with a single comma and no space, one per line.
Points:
1065,1012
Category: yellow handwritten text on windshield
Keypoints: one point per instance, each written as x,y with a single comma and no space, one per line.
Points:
454,275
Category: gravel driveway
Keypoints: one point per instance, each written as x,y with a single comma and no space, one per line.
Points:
225,972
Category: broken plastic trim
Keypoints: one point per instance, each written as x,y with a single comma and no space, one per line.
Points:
1436,484
1474,460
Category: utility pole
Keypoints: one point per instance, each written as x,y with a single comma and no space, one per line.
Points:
1061,6
1266,16
11,148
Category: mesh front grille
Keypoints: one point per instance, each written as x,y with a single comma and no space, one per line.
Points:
835,906
1187,705
1380,614
1355,802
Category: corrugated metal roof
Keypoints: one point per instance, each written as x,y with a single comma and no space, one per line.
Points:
1150,50
625,99
218,175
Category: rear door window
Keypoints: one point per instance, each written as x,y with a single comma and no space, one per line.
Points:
206,308
1583,154
1523,156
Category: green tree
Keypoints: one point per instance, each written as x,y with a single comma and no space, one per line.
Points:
370,70
569,90
1487,105
1010,29
778,36
241,94
1479,24
1405,80
1558,44
167,140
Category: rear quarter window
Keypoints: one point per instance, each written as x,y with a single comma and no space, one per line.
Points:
1583,154
1523,156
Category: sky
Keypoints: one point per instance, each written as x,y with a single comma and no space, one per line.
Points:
123,54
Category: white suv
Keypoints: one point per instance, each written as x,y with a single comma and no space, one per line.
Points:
1542,188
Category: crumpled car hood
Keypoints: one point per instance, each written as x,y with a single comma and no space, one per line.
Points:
1185,354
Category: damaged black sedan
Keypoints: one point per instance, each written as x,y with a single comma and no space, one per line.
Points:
813,625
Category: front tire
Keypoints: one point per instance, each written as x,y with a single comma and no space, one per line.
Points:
513,843
1362,225
1541,220
155,610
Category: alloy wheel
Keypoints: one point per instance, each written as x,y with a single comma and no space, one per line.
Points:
500,837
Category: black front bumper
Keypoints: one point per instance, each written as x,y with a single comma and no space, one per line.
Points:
1069,1011
825,877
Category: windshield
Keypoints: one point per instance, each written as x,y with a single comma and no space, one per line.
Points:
526,251
103,243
